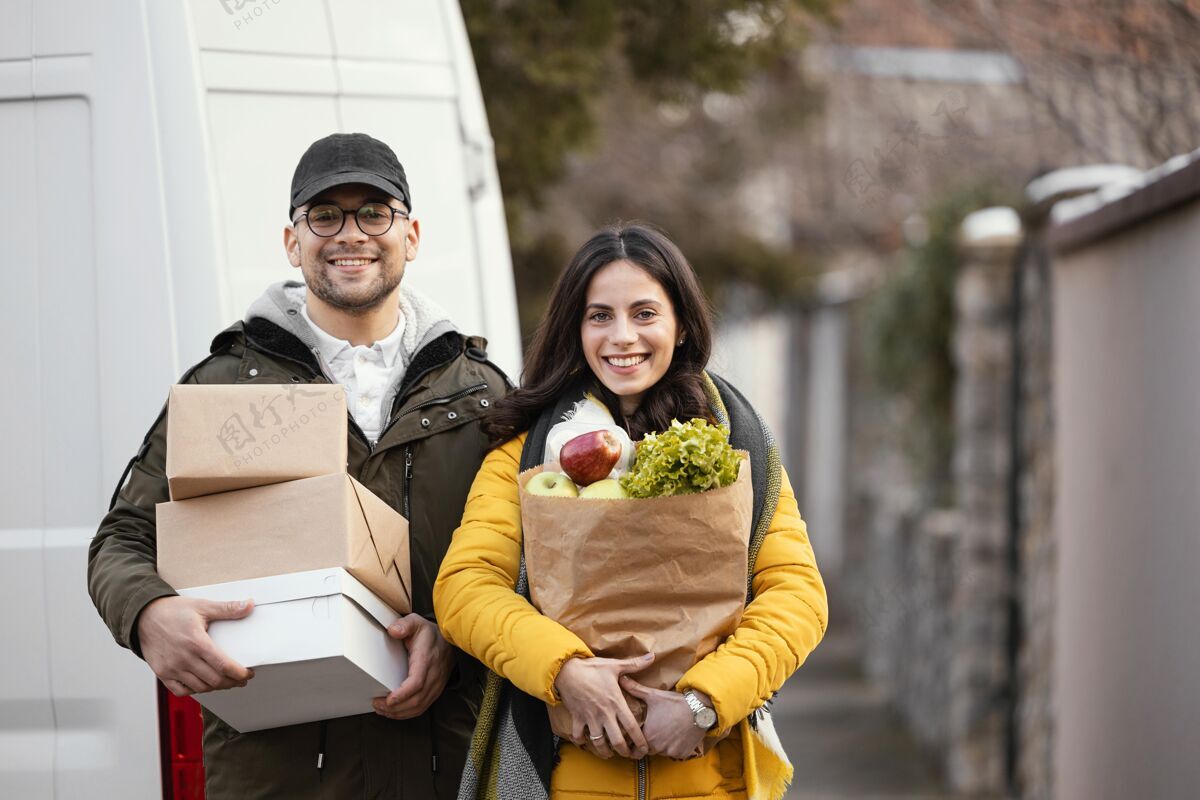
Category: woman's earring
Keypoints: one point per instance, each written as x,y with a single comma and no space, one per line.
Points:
680,342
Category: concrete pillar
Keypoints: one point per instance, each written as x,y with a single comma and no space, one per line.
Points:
826,417
979,674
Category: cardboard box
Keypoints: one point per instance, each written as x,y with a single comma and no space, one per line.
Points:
318,646
314,523
226,437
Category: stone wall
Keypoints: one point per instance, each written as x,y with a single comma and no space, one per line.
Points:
1035,524
899,569
956,604
980,673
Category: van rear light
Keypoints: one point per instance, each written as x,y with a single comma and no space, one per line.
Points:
181,739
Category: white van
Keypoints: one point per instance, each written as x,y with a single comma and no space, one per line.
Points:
146,151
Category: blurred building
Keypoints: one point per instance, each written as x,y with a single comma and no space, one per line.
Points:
956,583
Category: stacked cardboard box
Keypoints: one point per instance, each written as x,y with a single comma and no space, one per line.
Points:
261,507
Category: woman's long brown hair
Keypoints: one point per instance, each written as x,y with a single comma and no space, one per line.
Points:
555,364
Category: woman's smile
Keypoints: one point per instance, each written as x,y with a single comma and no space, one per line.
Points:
625,365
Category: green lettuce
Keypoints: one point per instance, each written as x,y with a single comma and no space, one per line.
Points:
687,458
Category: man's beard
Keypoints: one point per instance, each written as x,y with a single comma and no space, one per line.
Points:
355,301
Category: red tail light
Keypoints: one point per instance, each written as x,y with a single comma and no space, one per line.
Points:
181,739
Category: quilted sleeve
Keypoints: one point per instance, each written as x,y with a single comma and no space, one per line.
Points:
474,598
779,628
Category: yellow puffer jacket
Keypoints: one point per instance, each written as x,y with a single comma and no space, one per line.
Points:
479,612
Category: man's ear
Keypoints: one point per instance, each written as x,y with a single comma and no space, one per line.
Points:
412,239
291,244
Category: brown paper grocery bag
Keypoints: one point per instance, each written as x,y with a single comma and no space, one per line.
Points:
662,575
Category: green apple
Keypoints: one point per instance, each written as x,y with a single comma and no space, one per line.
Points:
552,484
607,489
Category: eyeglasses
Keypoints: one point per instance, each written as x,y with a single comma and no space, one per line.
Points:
374,219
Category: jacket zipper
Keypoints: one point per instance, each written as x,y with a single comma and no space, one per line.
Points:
408,455
641,778
408,458
461,393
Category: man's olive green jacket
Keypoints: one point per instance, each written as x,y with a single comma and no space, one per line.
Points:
423,465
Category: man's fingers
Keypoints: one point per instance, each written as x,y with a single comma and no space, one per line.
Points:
218,670
229,669
402,693
209,676
419,656
392,712
404,627
413,683
193,681
408,709
423,683
225,609
176,688
207,653
401,714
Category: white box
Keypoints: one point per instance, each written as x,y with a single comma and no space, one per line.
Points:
317,643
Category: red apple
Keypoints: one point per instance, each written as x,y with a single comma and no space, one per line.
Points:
589,457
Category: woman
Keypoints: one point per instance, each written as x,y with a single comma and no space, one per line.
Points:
629,323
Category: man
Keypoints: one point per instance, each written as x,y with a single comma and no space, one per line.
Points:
416,389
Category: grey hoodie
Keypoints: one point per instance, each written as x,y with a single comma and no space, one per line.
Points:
424,321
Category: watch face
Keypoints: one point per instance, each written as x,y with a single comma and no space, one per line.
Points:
706,718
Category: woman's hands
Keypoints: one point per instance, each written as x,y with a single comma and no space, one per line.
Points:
601,719
669,728
595,716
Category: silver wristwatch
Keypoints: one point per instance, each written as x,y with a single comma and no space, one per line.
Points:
702,715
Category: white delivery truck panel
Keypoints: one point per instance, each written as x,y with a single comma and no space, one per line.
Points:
146,152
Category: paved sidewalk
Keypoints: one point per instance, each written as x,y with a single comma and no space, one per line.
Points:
843,738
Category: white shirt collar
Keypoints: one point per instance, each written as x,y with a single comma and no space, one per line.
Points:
332,348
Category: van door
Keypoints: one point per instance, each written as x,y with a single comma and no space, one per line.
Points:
70,717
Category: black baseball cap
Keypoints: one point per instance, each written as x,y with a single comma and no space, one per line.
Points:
348,158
